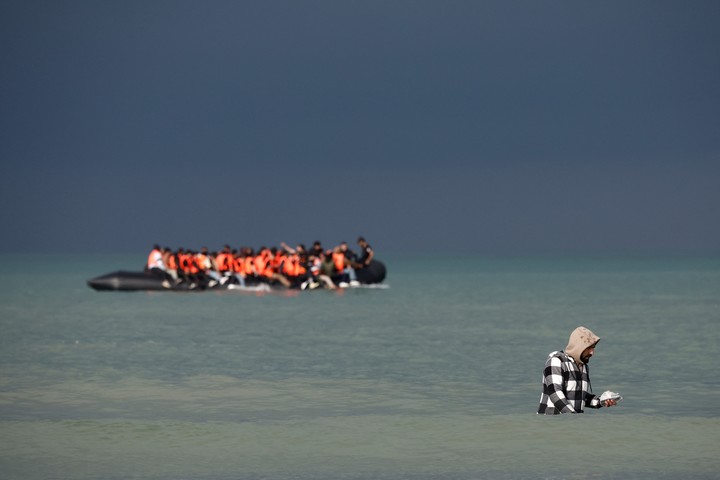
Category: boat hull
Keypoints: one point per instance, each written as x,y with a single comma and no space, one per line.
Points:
122,280
127,281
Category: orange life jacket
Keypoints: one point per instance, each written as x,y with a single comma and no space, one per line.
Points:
186,263
249,265
171,263
289,266
278,260
238,264
224,261
293,267
339,261
192,261
263,264
259,264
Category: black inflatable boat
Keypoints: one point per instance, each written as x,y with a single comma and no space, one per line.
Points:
133,281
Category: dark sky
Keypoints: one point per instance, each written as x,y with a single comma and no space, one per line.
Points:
491,126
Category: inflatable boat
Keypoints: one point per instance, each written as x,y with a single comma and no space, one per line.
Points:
122,280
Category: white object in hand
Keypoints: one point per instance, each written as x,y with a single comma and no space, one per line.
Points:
608,395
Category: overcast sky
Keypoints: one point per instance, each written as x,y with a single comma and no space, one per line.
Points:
491,126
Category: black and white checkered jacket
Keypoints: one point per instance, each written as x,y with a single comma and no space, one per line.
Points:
566,386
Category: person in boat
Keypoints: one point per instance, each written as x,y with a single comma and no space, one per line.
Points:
224,263
265,271
315,276
236,272
327,266
566,378
182,269
186,260
349,254
350,262
341,268
156,266
214,271
278,259
251,275
299,255
366,253
261,265
295,269
155,262
322,269
317,249
277,263
170,261
207,271
196,267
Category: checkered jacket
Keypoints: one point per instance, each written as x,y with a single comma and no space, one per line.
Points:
566,386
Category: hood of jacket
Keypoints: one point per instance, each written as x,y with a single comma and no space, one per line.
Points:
580,339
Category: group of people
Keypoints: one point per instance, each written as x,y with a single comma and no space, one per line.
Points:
290,267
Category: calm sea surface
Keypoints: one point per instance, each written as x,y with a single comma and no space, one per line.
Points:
435,377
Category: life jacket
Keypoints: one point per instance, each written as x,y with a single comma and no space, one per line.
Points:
289,266
155,259
278,260
259,264
224,262
339,261
263,264
202,262
186,263
293,267
172,262
238,265
249,265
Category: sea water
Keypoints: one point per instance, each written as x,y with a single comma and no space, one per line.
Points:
436,376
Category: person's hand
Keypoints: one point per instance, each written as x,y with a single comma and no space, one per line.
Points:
609,402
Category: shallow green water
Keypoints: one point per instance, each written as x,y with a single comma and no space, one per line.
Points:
437,376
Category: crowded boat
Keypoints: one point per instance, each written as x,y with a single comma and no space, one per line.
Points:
246,268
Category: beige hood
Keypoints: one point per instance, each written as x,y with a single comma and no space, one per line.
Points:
580,339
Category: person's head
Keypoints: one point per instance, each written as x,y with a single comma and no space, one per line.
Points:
361,241
581,345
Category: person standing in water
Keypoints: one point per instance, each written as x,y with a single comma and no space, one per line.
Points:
566,384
